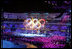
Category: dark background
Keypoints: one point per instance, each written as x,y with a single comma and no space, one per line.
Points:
35,6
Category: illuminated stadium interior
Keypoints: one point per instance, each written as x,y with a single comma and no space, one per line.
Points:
38,28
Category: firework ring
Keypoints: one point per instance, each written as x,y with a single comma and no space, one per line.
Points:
34,23
28,22
42,20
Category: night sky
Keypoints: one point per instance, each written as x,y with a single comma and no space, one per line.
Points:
32,5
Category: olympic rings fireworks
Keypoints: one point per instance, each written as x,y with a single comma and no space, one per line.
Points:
34,23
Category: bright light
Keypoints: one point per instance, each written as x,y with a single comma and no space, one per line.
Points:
69,10
32,35
34,23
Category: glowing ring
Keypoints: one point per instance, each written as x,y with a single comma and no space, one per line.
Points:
37,22
42,20
28,20
34,20
39,26
33,24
